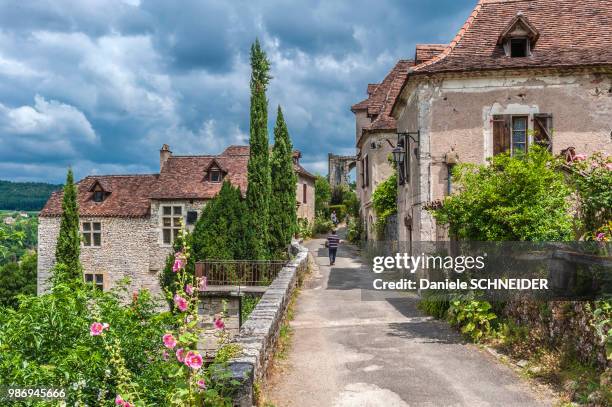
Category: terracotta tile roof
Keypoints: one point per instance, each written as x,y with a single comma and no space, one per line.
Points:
184,177
128,197
425,52
572,34
302,171
380,102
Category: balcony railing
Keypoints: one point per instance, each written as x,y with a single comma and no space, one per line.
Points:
239,272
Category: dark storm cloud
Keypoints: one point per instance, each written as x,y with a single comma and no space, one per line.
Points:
102,84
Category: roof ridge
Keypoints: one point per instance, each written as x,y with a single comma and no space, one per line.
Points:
120,175
451,45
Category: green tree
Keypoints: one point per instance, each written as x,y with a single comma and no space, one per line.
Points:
322,194
523,198
219,232
68,246
18,278
283,216
258,191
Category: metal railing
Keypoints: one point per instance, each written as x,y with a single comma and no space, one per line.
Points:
239,272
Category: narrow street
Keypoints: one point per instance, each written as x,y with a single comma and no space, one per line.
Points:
349,352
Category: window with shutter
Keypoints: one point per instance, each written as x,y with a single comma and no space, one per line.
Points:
501,134
543,130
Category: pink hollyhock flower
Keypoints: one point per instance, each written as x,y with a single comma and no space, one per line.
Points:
189,289
201,384
178,265
165,355
105,325
600,236
169,341
203,284
219,324
193,360
96,329
118,400
127,404
180,302
609,166
180,355
580,157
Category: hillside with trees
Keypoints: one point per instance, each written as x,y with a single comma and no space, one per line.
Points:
25,196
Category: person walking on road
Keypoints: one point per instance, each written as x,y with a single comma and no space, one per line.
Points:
332,243
334,218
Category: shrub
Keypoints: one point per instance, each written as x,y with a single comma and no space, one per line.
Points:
355,230
472,317
384,202
18,278
304,228
434,305
322,226
512,199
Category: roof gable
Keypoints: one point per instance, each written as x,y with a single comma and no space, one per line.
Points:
576,35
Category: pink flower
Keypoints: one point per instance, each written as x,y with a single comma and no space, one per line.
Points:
127,404
189,289
180,302
105,325
609,166
203,283
96,329
169,341
580,157
600,236
201,384
165,355
219,324
193,360
118,400
179,355
178,265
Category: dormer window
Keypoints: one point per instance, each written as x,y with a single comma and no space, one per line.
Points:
98,193
519,37
519,47
215,175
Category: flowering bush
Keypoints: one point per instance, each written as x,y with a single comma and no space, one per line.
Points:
592,177
105,352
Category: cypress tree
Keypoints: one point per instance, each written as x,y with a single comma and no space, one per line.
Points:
258,191
283,216
219,232
68,246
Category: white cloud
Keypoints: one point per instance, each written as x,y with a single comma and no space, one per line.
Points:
50,120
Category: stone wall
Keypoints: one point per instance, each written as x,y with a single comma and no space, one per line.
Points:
305,210
131,247
259,334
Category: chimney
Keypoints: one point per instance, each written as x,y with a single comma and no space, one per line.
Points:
164,154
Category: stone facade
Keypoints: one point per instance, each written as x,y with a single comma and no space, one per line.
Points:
130,247
130,214
305,197
454,115
372,168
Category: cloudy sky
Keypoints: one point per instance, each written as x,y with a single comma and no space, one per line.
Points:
101,84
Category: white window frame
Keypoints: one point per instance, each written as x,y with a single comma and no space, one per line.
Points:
91,232
94,279
173,226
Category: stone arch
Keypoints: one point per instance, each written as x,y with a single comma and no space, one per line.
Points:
339,167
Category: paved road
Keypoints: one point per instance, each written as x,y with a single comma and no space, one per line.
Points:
347,352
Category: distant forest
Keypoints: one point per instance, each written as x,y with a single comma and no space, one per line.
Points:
25,196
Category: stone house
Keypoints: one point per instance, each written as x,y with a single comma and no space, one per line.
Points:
305,190
516,74
129,222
